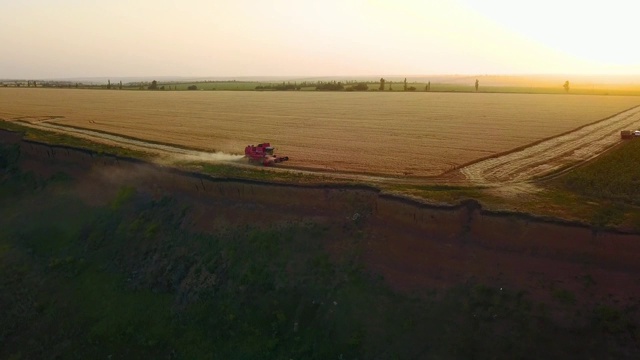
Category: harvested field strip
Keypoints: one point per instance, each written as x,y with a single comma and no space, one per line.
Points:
544,157
184,154
119,139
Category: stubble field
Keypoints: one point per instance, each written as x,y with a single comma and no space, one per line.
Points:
417,134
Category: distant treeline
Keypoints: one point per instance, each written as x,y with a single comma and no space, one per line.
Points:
321,86
473,85
280,87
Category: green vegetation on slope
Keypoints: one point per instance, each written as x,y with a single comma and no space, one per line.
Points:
131,279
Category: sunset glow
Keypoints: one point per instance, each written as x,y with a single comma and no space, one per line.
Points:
66,38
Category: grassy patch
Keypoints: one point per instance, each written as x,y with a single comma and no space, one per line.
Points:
613,177
124,195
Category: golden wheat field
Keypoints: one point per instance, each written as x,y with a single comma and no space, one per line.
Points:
420,134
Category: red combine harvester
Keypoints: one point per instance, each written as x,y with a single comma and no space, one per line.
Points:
263,153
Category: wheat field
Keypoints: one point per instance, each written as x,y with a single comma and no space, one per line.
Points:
393,133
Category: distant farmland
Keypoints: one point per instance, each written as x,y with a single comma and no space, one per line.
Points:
394,133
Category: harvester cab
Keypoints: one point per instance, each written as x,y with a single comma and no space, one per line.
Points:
263,153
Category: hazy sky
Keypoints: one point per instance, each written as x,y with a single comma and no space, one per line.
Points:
80,38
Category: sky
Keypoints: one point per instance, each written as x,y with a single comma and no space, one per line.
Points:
45,39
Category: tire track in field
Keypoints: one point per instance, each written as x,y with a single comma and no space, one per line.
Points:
539,159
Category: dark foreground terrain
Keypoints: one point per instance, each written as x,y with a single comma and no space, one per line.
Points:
102,257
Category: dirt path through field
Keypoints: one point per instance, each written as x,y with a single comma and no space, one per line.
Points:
553,154
172,155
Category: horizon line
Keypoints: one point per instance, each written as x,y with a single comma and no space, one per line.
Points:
295,77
